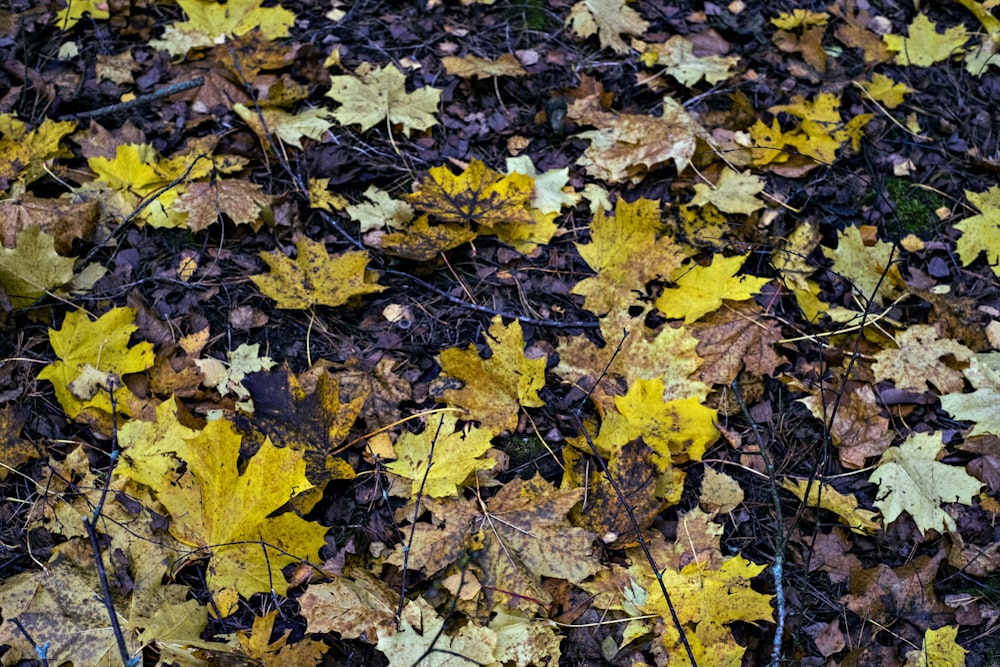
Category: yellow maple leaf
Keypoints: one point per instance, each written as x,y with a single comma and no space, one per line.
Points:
495,388
981,233
609,19
289,127
483,68
820,133
668,354
229,516
209,22
680,429
31,269
826,497
422,241
706,600
701,289
77,9
626,146
370,97
925,45
86,348
137,173
478,195
439,459
736,192
884,90
677,56
315,277
911,479
626,253
864,266
938,649
24,153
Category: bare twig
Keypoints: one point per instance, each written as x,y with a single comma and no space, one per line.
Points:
167,91
554,324
628,510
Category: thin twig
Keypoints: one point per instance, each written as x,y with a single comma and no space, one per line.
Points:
778,567
167,91
628,510
554,324
413,531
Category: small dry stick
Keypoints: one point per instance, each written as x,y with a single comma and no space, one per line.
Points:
628,510
167,91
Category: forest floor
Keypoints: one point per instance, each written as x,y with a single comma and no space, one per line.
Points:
373,333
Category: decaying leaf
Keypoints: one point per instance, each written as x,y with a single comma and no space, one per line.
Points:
315,277
627,251
477,196
422,630
608,19
288,127
668,354
374,95
624,147
678,59
911,479
494,389
483,68
919,361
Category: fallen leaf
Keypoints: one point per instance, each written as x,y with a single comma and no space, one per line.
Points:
288,127
102,345
627,251
421,639
925,45
209,22
24,153
939,648
477,196
608,19
439,459
736,192
229,516
33,268
981,233
678,59
627,146
315,277
826,497
241,201
911,479
494,389
918,361
370,97
483,68
701,289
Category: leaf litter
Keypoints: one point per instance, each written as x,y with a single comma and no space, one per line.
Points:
296,305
